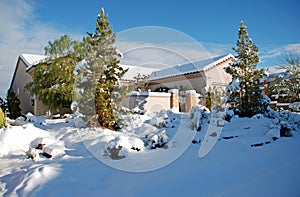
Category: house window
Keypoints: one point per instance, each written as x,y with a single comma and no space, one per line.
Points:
32,100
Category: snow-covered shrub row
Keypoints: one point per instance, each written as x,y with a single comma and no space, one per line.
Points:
284,122
139,133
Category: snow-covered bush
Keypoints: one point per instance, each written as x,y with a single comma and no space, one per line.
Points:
285,121
119,147
157,140
229,114
161,120
198,115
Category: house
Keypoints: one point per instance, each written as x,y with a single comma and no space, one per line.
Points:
20,78
197,76
23,75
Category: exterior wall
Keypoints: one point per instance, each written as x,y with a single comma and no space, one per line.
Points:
194,81
40,108
157,101
152,101
216,75
20,79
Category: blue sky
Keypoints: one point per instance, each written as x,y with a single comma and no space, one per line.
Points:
27,25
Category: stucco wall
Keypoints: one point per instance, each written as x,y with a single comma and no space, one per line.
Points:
152,101
195,81
21,78
216,76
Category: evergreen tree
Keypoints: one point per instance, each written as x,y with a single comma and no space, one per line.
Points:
13,105
53,79
290,83
247,95
99,76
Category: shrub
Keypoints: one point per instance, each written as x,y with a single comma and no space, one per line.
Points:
3,122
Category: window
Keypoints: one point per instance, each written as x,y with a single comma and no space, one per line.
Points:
32,100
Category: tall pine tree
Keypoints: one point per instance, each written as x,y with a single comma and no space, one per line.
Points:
99,75
247,95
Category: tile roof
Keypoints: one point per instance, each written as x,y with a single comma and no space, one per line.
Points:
188,68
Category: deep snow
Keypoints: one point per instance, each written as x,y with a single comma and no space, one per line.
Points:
81,166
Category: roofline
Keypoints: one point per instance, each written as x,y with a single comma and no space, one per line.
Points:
219,61
15,72
207,67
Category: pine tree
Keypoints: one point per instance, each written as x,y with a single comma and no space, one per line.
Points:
99,76
248,98
53,79
13,105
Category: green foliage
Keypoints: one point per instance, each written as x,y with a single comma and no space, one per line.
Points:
3,122
98,79
13,104
53,79
248,99
290,84
213,97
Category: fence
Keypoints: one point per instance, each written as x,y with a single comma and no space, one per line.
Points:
157,101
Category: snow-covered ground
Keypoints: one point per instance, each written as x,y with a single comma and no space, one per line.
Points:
153,155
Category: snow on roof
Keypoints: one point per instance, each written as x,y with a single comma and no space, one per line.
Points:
191,67
133,71
32,59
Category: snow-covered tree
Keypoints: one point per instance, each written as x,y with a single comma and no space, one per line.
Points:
290,83
244,90
99,75
53,79
13,104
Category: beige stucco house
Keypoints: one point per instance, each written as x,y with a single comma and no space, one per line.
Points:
197,76
21,77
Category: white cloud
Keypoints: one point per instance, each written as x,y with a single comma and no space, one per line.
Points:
20,32
162,46
166,54
279,52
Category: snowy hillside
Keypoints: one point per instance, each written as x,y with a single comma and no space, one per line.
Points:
153,155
